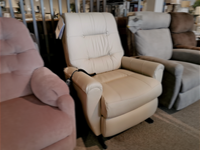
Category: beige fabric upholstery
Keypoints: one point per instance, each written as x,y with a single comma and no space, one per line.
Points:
124,91
97,36
154,70
99,96
89,91
128,96
123,122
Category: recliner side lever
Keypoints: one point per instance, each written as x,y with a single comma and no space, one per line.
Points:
69,80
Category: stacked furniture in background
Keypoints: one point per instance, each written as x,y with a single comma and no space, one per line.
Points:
181,79
124,91
181,27
37,111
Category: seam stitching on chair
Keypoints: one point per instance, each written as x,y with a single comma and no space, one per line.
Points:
92,89
115,79
83,35
109,47
93,58
128,99
143,81
93,34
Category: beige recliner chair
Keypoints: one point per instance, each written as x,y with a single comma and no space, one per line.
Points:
124,92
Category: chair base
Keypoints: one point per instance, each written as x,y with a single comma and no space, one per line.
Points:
185,99
149,120
123,122
102,141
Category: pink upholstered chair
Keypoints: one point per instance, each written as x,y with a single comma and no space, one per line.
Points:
37,111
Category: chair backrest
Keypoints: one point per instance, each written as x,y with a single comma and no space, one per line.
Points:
19,58
181,27
153,38
91,42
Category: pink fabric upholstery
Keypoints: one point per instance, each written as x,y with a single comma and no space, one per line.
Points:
47,86
16,47
26,122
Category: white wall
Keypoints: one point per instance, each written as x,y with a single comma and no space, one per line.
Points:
158,6
150,5
154,5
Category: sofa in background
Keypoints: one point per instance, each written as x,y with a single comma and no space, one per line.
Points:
181,27
37,111
124,90
181,79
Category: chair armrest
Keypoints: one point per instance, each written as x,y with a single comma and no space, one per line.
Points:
171,80
89,92
191,56
187,47
151,69
66,104
172,67
47,86
82,80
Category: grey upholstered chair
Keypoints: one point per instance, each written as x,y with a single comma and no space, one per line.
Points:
181,79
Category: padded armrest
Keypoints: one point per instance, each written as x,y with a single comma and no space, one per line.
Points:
85,82
89,92
172,67
186,55
47,86
66,104
152,69
187,47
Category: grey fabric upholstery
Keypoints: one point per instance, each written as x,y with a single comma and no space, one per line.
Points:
187,98
181,78
190,77
151,20
191,56
134,23
171,80
147,43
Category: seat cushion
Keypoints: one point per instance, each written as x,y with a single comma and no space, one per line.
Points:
27,123
124,91
190,77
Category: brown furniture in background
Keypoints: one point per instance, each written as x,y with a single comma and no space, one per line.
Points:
181,27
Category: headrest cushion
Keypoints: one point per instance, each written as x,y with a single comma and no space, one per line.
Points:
181,22
154,20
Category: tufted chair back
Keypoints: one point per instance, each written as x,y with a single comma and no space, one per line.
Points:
19,58
91,42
